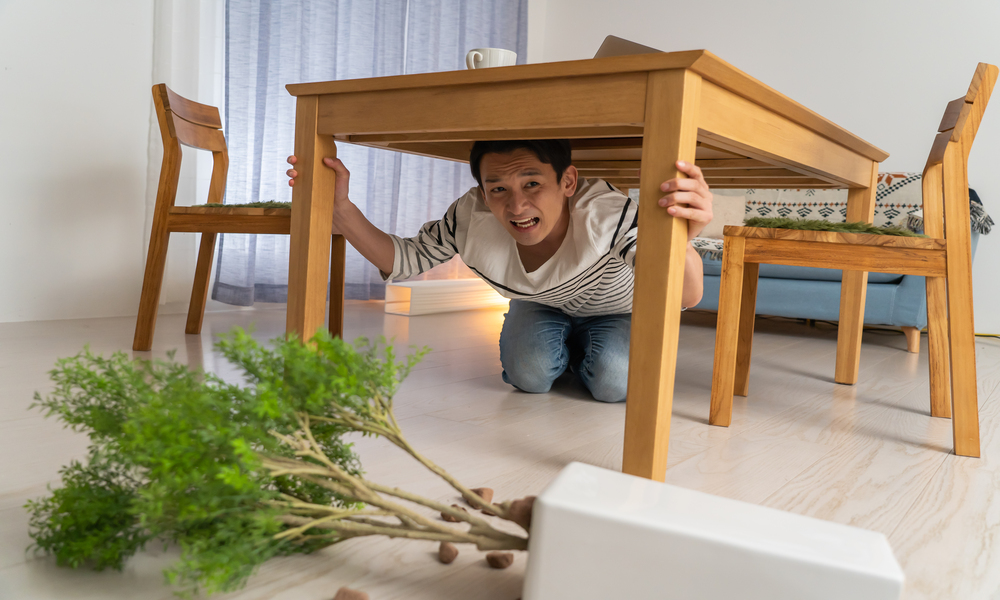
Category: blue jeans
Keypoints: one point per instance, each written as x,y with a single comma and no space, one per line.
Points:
538,343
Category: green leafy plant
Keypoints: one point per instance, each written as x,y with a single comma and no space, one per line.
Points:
235,474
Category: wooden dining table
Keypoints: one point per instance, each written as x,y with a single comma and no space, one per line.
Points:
619,113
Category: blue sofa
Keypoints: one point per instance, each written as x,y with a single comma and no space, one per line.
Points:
810,293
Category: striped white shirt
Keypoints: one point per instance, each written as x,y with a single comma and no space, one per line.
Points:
590,274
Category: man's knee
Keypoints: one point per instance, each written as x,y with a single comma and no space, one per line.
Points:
533,349
532,365
604,368
533,378
606,382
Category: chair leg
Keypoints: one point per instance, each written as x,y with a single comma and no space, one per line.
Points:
727,332
853,288
152,281
964,398
961,328
938,357
962,351
912,339
202,275
338,270
748,307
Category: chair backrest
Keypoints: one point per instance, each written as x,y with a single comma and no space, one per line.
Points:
945,174
195,125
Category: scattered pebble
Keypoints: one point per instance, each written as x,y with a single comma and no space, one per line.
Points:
500,560
450,518
484,493
520,511
447,552
346,593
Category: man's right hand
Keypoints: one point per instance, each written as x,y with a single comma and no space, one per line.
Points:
343,177
370,241
340,193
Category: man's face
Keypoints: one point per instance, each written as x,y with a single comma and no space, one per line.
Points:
523,194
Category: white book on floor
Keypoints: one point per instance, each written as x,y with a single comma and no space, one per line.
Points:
440,295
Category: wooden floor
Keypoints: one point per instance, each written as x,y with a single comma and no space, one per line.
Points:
868,455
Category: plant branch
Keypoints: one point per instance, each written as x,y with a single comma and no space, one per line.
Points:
310,473
363,529
471,497
313,449
395,436
366,491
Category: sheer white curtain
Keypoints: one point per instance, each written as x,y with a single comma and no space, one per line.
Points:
270,43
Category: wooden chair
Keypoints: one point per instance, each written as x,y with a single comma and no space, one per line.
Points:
195,125
944,258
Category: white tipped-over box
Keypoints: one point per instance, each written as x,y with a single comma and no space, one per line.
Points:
602,535
414,298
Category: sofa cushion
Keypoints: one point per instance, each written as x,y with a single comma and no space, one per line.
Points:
885,305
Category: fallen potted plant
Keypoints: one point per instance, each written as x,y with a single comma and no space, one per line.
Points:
237,473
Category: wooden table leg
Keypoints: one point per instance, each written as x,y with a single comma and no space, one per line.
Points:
338,271
670,134
853,290
312,223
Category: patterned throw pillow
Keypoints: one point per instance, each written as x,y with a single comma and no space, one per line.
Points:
710,248
898,195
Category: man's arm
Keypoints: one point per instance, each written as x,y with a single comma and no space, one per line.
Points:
690,198
693,269
373,243
694,278
348,220
396,257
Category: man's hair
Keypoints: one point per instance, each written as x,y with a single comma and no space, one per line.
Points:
557,153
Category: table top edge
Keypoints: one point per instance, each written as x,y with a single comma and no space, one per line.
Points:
704,63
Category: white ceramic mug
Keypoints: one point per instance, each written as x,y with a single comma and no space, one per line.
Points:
480,58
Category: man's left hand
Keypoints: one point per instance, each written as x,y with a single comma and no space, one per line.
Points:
688,198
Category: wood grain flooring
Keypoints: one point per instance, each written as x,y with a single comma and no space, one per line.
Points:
867,455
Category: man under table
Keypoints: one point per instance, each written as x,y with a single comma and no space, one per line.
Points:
560,247
620,113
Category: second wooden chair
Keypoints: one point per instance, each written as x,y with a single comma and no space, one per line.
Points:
944,258
198,126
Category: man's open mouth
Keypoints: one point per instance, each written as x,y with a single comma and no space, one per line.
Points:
526,223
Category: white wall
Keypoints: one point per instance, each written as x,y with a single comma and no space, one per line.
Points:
76,151
74,95
188,55
882,69
80,152
537,13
